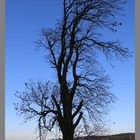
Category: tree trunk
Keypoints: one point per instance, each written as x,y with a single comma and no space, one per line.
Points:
68,133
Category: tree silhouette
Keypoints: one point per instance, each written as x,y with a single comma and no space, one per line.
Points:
81,93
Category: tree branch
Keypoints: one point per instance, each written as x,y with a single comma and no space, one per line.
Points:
78,120
78,109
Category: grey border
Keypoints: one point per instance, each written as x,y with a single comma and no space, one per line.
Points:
137,97
2,98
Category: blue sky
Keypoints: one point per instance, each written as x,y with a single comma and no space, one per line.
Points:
24,20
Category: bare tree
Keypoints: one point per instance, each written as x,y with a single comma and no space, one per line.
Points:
72,47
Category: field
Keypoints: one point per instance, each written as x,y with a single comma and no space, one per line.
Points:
122,136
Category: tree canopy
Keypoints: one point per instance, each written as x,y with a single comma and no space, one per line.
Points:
81,92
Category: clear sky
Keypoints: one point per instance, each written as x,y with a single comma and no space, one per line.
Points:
24,20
